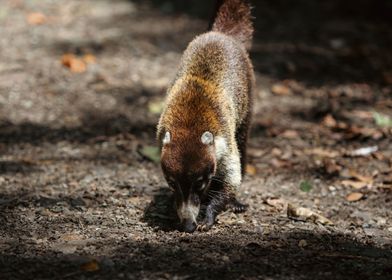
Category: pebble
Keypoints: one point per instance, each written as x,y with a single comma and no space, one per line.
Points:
302,243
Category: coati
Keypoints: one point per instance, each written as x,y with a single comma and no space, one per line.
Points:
203,128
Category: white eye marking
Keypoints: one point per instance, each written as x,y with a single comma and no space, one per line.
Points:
207,138
166,139
203,186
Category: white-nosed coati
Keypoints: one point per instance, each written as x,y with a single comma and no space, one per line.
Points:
203,129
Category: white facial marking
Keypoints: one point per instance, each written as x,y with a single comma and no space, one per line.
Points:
188,211
166,138
203,186
207,138
220,147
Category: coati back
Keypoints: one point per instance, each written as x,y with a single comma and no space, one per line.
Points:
204,127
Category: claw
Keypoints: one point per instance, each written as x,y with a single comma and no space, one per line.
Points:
204,227
238,207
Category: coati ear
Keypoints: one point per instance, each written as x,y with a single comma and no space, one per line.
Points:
166,138
207,138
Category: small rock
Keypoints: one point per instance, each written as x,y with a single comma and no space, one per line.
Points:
302,243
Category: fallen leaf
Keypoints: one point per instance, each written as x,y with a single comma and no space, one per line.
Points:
280,89
363,178
329,121
355,196
278,203
305,214
90,266
276,152
352,174
354,184
89,58
251,169
71,237
290,134
36,18
305,186
75,64
323,152
151,153
366,132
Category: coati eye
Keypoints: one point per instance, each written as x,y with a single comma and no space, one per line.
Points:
171,182
166,138
200,184
207,138
200,179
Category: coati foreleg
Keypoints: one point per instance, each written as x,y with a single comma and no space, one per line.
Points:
241,136
222,192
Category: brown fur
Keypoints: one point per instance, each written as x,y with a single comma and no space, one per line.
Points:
211,92
234,19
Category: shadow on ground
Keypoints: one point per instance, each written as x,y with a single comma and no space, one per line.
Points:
315,42
205,256
160,213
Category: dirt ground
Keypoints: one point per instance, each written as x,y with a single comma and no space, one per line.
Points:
81,198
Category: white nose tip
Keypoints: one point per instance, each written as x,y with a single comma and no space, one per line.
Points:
187,212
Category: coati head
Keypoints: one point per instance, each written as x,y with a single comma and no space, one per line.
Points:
188,163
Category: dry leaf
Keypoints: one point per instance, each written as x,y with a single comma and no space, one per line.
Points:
289,134
356,175
276,152
90,266
322,153
280,89
354,184
36,18
278,203
89,59
75,64
305,214
251,169
329,121
355,196
352,174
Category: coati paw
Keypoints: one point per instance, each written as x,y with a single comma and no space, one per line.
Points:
238,207
205,226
